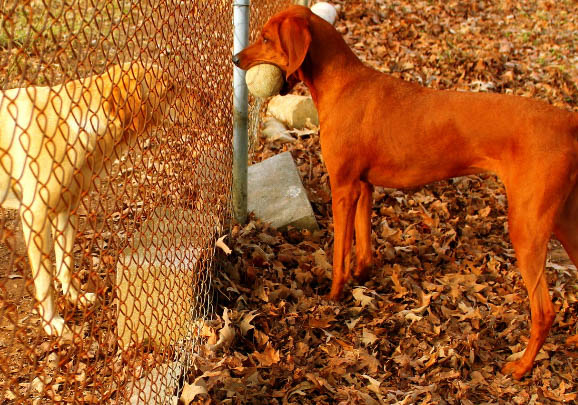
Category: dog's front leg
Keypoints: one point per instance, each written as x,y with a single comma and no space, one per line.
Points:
344,204
36,229
64,231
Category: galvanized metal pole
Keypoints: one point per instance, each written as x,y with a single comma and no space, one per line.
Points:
240,113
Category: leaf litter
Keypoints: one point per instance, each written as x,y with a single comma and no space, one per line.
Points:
446,306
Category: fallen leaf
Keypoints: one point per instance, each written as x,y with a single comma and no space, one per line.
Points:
368,337
373,384
245,324
221,244
360,297
321,260
268,357
400,289
226,334
542,355
191,391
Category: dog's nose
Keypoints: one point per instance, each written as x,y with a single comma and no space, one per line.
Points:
236,59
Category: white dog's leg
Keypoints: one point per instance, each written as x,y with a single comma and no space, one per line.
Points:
64,231
36,234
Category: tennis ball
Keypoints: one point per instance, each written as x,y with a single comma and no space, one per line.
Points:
326,11
264,80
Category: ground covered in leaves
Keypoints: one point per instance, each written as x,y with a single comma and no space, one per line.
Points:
446,307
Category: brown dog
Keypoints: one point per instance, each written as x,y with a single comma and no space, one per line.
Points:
380,130
53,142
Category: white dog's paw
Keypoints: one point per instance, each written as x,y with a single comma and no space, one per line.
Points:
86,299
79,298
57,327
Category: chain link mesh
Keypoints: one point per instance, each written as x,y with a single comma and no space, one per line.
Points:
261,10
115,178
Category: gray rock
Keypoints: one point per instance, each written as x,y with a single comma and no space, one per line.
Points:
156,276
294,111
276,194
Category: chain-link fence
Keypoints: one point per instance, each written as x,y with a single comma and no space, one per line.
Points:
115,158
261,10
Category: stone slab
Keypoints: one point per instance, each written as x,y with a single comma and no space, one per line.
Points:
294,111
156,276
276,194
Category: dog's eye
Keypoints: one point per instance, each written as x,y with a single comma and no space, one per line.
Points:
265,40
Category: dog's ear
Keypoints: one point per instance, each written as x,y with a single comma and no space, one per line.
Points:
159,92
106,84
139,96
139,99
124,98
295,39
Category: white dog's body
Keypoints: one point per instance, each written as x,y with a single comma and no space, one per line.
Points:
54,141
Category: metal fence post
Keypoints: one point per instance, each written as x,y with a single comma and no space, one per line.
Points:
240,113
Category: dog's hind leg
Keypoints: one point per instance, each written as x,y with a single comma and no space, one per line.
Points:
64,231
566,227
531,217
566,230
363,233
36,229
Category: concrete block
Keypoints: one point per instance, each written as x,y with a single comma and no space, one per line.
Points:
294,111
156,276
276,193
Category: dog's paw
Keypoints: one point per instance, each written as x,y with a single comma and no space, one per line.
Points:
86,299
516,368
362,276
57,327
333,296
80,299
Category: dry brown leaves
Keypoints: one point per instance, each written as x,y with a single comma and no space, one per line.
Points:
446,306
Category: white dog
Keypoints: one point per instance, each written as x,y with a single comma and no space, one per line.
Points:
53,142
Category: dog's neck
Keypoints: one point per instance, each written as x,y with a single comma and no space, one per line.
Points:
327,60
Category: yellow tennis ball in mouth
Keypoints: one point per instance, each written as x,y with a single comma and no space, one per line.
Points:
264,80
